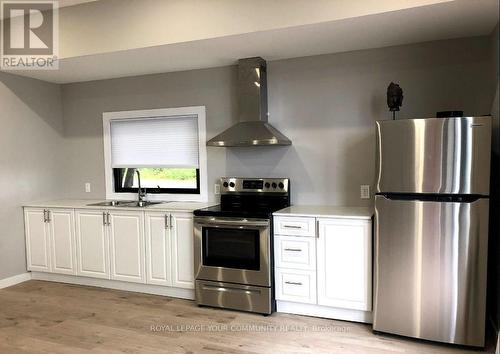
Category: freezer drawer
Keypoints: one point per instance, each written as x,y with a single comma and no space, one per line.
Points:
435,155
430,269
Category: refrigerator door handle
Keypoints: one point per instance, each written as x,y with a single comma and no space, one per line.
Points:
438,198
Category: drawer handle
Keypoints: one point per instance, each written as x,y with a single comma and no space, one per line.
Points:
229,289
293,283
292,227
293,249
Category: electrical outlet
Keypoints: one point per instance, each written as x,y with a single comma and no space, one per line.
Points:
87,187
217,189
365,191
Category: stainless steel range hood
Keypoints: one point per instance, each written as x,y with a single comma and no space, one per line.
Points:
253,128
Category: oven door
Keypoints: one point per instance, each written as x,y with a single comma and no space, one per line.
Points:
232,250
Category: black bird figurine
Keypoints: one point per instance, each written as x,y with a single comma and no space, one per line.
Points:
394,98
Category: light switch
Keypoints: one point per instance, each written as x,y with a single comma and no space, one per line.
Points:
217,189
365,191
87,187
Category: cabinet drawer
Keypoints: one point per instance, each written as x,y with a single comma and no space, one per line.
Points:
295,252
296,285
295,226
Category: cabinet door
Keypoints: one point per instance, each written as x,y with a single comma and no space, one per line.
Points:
126,231
344,269
37,240
182,250
158,249
92,244
62,241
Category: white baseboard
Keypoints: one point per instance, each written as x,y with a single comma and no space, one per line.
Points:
324,311
16,279
117,285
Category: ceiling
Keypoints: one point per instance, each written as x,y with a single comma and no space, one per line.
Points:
445,20
61,3
65,3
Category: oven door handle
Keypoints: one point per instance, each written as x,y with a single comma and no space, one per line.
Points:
229,289
232,222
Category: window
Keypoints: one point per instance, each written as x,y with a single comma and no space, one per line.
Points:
157,180
166,146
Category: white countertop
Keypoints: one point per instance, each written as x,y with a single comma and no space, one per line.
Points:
326,211
83,204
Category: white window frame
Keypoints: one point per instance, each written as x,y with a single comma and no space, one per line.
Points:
199,111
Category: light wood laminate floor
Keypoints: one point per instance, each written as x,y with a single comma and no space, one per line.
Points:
45,317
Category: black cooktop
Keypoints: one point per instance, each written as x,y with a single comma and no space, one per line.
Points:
219,210
249,198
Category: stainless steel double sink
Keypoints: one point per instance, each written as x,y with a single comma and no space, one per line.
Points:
125,203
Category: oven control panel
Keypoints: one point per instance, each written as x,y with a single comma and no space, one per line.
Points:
255,185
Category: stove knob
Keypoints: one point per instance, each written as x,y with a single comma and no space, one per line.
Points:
225,184
267,185
281,185
274,185
231,184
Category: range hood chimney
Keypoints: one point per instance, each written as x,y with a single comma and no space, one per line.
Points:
253,128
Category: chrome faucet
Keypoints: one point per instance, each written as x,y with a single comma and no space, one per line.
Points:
140,192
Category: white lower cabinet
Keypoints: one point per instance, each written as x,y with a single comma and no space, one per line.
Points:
37,239
111,245
169,249
152,248
50,240
92,243
327,275
62,240
158,248
127,245
345,263
182,250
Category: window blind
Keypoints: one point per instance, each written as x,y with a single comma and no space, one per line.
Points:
155,142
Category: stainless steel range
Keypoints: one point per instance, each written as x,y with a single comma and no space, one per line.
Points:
233,245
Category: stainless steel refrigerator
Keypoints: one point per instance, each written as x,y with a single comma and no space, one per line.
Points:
431,228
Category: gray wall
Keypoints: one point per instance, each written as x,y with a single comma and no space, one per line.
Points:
31,165
326,104
84,103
